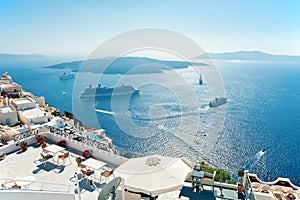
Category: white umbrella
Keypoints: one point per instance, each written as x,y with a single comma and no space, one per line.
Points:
153,175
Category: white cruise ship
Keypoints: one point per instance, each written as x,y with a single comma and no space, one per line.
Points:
100,91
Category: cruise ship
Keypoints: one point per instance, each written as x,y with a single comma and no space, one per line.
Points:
218,101
100,91
66,76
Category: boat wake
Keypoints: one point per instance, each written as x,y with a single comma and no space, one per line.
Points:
256,160
260,154
106,112
172,116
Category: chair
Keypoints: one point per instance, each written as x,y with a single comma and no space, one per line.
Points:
43,148
197,167
64,157
46,158
255,186
278,196
209,179
10,185
87,173
79,165
107,173
275,188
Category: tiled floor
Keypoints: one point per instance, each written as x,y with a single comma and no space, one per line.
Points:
61,178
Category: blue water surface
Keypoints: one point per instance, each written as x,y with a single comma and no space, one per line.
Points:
263,111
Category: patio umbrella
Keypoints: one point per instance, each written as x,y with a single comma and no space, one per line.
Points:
153,175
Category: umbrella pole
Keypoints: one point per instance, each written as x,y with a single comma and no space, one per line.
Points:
78,187
123,188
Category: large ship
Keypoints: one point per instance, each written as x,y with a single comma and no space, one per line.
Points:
100,91
217,102
66,76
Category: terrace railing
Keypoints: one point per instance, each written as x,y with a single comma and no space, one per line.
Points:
36,185
82,139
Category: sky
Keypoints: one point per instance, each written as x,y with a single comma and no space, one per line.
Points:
76,28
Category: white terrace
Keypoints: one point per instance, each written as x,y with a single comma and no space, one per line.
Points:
55,179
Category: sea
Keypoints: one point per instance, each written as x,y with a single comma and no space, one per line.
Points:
172,117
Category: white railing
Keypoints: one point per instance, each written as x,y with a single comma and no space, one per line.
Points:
249,190
23,184
83,140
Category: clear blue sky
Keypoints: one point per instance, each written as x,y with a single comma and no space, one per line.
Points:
65,27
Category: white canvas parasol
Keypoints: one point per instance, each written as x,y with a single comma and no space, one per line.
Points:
153,175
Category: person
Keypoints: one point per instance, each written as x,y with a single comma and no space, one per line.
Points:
240,191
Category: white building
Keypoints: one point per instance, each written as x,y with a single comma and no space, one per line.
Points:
5,78
56,122
8,115
22,104
35,116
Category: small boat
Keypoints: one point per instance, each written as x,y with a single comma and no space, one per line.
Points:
200,80
218,101
260,153
66,76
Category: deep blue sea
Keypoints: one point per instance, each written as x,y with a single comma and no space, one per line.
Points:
263,111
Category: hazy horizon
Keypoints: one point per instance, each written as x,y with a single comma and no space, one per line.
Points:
74,28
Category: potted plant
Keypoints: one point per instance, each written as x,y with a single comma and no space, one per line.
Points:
62,143
23,145
40,139
87,153
241,175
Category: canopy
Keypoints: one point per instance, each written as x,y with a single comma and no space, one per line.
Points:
7,133
153,175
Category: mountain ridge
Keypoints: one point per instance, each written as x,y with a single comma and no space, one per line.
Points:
7,56
247,55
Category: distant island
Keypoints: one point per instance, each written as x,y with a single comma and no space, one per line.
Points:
248,55
11,57
9,60
124,65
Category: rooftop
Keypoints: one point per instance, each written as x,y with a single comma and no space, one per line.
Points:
6,109
280,189
22,101
34,112
61,177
